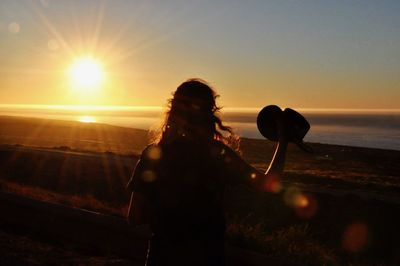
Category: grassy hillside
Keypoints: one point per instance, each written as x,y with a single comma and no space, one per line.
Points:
71,134
346,188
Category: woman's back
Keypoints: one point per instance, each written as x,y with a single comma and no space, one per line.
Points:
185,193
190,189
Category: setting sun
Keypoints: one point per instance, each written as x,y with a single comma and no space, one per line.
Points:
86,74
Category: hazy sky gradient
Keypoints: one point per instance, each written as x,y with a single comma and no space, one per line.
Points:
302,54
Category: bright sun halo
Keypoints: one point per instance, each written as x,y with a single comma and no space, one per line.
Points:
86,73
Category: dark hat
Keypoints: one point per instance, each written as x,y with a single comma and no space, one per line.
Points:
296,126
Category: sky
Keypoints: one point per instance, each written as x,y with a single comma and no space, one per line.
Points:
299,54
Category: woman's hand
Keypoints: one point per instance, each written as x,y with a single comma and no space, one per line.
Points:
283,128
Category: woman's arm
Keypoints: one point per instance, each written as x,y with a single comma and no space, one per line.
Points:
278,161
242,172
271,180
139,209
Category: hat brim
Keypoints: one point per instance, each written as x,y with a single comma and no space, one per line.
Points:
267,125
267,122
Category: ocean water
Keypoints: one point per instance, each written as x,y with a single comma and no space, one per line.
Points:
368,128
373,130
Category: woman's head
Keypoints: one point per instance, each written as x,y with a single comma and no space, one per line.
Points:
193,114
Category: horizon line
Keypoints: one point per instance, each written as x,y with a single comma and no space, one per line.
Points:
159,108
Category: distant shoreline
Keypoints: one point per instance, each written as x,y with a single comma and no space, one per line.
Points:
160,108
381,132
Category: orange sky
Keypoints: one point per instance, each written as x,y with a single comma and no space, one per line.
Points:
302,56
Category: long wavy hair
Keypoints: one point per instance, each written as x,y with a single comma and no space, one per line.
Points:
193,114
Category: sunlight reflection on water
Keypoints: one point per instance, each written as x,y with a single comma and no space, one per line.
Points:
87,119
362,130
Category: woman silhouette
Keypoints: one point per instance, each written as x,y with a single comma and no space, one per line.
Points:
178,183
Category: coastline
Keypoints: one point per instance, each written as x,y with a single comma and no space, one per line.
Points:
362,128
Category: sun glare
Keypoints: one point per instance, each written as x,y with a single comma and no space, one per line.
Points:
87,119
86,74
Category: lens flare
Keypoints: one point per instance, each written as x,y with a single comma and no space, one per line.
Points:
301,201
14,27
304,204
355,237
290,195
273,184
149,176
154,153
